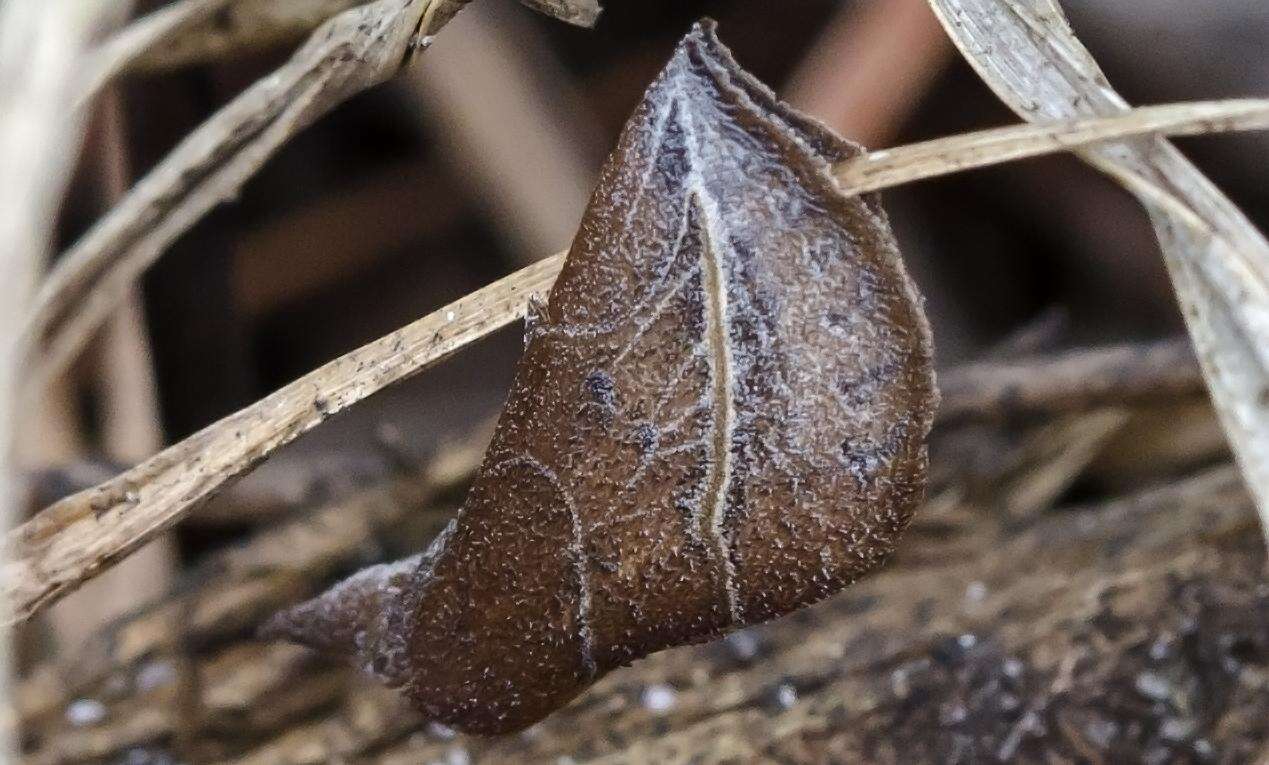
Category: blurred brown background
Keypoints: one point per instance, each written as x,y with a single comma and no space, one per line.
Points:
479,159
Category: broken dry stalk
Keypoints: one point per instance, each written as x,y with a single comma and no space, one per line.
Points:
1075,381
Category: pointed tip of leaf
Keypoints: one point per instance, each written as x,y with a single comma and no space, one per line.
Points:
359,619
300,624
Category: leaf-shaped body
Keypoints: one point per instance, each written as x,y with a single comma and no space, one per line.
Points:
720,417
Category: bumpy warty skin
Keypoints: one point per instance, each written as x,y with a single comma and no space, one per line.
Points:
720,417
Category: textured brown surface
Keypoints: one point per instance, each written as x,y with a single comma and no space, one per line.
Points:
719,418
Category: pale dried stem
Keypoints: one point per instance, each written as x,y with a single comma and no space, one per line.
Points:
81,535
201,31
943,156
142,40
1218,261
40,43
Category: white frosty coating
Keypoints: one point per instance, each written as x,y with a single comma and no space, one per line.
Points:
84,712
155,674
786,696
650,296
382,647
647,316
743,644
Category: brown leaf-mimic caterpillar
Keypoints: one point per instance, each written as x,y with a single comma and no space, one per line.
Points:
720,417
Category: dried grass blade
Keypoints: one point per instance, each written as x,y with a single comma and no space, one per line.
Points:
77,537
199,31
1219,262
943,156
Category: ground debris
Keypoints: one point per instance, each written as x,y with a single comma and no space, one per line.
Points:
1091,628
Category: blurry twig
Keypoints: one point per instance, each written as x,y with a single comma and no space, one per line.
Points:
145,37
126,421
1057,454
351,52
273,262
851,77
1042,332
200,31
1074,381
1219,262
40,44
76,538
506,72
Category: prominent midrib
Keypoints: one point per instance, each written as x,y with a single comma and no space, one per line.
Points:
722,407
